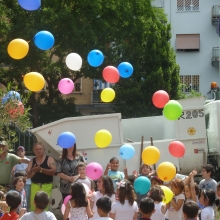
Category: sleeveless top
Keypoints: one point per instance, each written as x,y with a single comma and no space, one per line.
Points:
77,213
41,177
157,215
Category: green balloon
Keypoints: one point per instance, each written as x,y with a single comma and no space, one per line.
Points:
172,110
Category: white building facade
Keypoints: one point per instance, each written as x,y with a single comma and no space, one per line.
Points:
195,41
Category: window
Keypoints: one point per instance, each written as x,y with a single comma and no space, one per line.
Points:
188,42
77,86
187,5
190,82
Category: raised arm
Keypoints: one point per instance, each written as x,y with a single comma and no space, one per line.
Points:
28,169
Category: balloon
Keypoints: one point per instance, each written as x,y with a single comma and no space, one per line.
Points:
172,110
95,58
125,69
168,194
5,99
126,151
110,74
18,49
107,95
65,86
74,61
160,98
94,170
87,190
30,5
13,95
63,207
15,108
66,140
142,185
44,40
177,149
102,138
34,81
150,155
166,171
67,198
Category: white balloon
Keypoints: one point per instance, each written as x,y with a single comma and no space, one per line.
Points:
86,189
74,61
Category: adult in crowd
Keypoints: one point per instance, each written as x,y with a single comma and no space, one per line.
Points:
41,170
22,168
7,162
67,169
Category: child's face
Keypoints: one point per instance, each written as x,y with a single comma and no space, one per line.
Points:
174,189
218,191
154,182
82,170
187,192
100,184
114,165
145,170
205,174
19,185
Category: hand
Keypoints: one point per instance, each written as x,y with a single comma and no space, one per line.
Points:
125,170
135,174
22,212
35,169
194,172
71,179
152,172
108,166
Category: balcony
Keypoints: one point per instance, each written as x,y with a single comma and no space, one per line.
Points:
215,14
215,56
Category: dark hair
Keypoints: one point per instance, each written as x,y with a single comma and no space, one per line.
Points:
108,185
112,159
16,179
41,200
20,173
126,190
147,205
191,209
144,165
13,199
104,203
208,194
81,164
78,194
64,153
209,169
156,193
197,189
157,179
178,183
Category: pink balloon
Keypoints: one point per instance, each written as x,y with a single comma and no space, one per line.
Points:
63,207
94,170
67,199
177,149
65,86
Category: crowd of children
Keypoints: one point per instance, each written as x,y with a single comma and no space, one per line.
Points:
115,197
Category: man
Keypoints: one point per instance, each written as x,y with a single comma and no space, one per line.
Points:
7,162
41,170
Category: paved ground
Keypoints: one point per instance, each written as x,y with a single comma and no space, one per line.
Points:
57,213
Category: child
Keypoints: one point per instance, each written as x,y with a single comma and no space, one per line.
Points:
155,181
78,206
113,173
103,208
41,201
145,170
190,210
174,211
207,199
217,203
81,168
126,207
157,194
147,208
105,189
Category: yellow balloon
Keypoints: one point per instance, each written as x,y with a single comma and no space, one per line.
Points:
168,194
18,48
34,81
107,95
150,155
166,171
103,138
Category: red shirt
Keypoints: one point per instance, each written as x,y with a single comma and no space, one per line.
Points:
10,216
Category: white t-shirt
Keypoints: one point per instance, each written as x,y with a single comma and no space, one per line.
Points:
86,181
124,211
42,216
207,213
208,184
96,196
158,215
171,213
104,218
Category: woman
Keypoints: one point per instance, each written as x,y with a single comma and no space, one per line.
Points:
67,169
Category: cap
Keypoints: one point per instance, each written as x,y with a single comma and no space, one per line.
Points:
20,148
3,143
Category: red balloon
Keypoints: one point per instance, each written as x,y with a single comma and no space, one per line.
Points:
177,149
160,98
111,74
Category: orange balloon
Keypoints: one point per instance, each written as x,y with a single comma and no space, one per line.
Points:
166,171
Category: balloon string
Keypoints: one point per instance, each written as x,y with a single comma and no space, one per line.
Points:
29,41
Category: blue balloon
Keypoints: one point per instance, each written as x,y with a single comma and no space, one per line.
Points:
13,95
126,151
125,69
142,185
44,40
66,140
5,99
30,5
95,58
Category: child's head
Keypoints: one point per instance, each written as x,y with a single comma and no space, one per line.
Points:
190,210
207,197
207,171
155,181
20,173
156,193
147,207
177,186
126,191
81,168
19,182
78,194
13,199
105,185
103,206
218,189
114,163
145,169
41,200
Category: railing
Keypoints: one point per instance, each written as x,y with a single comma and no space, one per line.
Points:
215,56
215,14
